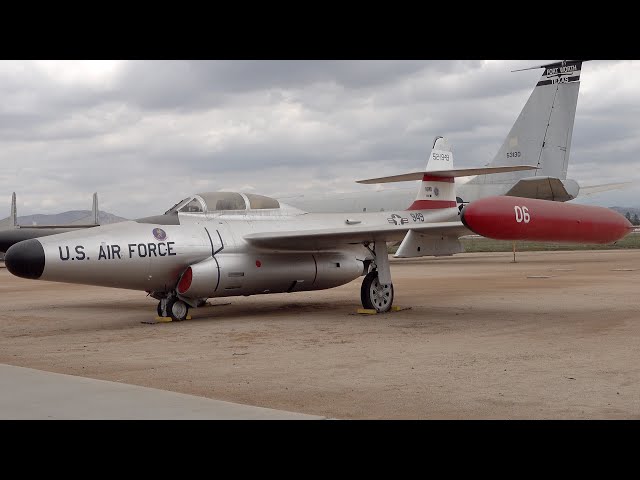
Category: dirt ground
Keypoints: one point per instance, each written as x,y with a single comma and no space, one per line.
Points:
484,338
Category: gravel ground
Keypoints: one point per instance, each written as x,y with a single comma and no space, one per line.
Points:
555,335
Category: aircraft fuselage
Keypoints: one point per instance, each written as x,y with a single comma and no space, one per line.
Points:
152,257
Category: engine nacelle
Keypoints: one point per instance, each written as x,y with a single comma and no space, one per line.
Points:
249,274
199,279
334,269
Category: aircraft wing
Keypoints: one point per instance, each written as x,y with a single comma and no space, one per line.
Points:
334,237
551,188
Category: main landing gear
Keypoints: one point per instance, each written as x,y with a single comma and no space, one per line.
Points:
174,308
375,295
376,291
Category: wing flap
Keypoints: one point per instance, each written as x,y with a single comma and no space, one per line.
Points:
335,237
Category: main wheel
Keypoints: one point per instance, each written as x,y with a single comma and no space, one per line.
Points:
374,295
178,310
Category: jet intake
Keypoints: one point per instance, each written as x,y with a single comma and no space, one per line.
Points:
513,218
200,280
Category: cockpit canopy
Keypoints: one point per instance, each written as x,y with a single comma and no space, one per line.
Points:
223,201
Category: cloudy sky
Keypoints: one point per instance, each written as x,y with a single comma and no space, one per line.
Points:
145,134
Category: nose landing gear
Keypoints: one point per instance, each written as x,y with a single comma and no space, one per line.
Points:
174,308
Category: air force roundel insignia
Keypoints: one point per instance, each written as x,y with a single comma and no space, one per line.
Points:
159,234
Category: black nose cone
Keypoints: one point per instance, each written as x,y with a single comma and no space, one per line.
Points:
25,259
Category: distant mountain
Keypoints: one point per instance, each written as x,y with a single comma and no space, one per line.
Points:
624,210
76,217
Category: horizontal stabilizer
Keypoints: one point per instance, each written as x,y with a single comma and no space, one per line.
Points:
556,65
53,227
458,172
590,190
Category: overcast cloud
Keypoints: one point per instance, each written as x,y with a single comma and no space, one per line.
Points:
145,134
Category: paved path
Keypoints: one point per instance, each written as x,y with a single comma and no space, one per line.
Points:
34,394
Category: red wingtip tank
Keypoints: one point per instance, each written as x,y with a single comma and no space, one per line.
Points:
515,218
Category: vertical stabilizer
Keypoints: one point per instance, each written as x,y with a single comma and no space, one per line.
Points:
542,132
95,209
437,191
13,219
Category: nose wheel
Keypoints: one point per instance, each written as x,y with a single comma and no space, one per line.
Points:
375,295
174,308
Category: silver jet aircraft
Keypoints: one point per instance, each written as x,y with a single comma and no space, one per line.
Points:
228,244
225,244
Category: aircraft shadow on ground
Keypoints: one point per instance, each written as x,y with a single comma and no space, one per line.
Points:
222,310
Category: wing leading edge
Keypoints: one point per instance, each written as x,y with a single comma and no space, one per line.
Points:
334,237
458,172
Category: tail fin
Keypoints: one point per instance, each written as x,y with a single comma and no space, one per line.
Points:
13,218
437,191
94,209
542,133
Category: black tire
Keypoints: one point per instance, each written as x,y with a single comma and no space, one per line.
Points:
364,290
169,306
375,296
178,310
159,310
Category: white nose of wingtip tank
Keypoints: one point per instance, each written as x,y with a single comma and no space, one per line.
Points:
26,259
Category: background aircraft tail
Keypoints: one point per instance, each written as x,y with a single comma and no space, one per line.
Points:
542,132
95,209
80,223
94,215
11,221
13,218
